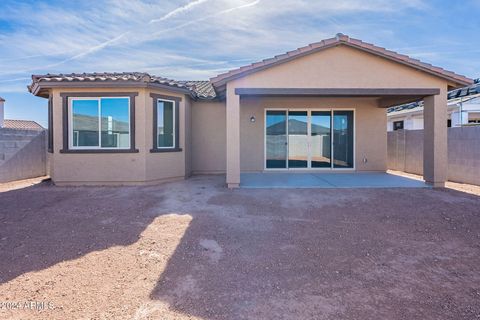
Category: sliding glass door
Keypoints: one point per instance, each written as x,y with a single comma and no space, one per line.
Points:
321,141
276,139
304,139
343,139
297,139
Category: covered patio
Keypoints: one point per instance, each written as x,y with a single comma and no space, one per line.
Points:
321,180
324,106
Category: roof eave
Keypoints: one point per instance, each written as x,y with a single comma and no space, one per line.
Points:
38,87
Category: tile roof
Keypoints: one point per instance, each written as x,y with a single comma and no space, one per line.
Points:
203,89
473,89
22,124
198,89
340,39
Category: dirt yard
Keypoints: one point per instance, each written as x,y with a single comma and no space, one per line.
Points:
195,250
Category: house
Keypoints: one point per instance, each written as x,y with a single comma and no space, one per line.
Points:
22,124
16,124
463,108
320,107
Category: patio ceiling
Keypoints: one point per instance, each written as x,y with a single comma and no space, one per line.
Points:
387,97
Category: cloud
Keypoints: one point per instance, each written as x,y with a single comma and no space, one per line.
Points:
193,39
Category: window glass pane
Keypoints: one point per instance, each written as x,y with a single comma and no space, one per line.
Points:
276,136
115,119
321,139
297,139
165,124
85,123
343,139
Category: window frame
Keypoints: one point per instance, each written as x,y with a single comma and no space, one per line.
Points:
176,123
68,98
50,124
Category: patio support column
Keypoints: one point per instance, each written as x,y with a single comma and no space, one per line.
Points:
435,158
233,138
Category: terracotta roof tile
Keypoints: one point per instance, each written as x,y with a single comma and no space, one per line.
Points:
21,124
200,89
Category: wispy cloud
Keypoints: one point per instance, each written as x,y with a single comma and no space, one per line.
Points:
193,39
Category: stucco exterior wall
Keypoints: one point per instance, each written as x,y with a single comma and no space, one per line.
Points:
118,168
208,137
370,133
339,67
165,165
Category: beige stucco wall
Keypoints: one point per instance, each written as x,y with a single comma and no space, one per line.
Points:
118,168
339,67
369,126
208,137
165,165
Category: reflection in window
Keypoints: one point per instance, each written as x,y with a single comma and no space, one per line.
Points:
165,124
100,123
276,139
343,139
321,139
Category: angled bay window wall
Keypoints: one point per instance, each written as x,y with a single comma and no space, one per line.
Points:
166,133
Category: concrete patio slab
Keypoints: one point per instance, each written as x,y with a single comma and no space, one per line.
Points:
327,180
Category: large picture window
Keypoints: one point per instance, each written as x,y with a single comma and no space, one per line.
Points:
99,123
165,123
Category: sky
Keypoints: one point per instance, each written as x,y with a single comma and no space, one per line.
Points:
198,39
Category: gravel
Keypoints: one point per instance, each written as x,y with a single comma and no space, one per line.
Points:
195,250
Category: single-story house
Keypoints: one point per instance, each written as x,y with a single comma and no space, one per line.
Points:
320,107
463,109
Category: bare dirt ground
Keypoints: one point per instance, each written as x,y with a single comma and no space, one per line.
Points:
195,250
462,187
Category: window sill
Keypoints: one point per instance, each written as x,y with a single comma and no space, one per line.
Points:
166,150
99,151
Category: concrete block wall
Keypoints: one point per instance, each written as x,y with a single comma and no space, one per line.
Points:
22,154
405,153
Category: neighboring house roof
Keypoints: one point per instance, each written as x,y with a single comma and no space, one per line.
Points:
22,124
198,89
465,92
2,100
340,39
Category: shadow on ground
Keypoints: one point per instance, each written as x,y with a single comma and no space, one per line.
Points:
328,254
43,225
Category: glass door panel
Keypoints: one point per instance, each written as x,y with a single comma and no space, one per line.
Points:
297,139
321,140
276,139
343,139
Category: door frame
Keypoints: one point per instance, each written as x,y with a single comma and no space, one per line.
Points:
309,137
